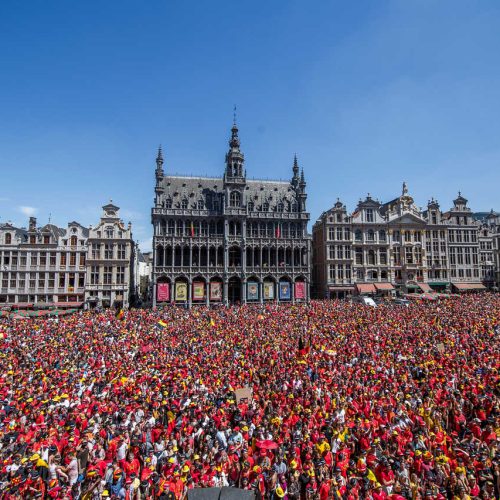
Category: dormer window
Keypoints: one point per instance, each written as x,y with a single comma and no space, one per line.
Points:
234,199
73,241
201,205
280,207
109,232
168,203
184,204
250,206
369,215
8,239
265,207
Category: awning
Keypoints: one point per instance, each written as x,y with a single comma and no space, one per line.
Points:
340,287
384,286
412,287
425,287
469,286
22,305
438,283
365,288
68,304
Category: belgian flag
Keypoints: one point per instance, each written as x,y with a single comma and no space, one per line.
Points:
161,324
120,314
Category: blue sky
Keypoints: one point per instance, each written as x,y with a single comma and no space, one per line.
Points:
367,93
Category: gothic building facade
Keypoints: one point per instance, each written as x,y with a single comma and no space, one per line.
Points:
230,239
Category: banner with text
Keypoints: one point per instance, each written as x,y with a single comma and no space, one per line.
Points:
215,291
181,290
163,292
268,290
284,290
252,290
300,290
198,290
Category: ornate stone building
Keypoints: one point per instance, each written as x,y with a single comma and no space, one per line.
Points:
230,239
111,274
384,247
42,265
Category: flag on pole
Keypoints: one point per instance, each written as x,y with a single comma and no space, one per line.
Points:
192,229
278,231
120,314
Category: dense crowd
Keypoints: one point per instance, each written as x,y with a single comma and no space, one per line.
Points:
340,400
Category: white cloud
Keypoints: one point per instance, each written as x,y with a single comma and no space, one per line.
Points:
28,211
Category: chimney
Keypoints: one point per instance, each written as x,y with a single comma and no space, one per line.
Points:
32,223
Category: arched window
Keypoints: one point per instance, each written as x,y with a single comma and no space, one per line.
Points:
234,199
371,257
371,235
8,239
381,235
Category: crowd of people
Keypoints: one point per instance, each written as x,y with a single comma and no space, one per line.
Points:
327,400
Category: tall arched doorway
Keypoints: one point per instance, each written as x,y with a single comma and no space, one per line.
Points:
234,290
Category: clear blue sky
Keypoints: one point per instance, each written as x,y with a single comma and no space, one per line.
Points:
367,93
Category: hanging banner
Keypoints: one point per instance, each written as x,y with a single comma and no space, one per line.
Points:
268,290
300,290
252,290
215,291
284,290
181,290
163,292
198,290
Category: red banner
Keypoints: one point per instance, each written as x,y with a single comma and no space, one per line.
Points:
163,292
300,290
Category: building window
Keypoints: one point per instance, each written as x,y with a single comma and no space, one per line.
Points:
347,234
82,259
184,204
8,239
382,235
201,205
63,259
81,280
359,255
108,274
339,233
168,203
265,207
371,257
360,274
108,251
109,232
234,199
370,235
369,215
383,257
358,235
121,251
94,275
407,235
280,207
409,255
250,206
72,259
331,233
62,280
120,275
331,252
73,241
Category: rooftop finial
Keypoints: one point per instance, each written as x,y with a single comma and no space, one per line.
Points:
234,116
405,189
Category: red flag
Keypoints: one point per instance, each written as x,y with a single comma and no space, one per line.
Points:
278,231
192,229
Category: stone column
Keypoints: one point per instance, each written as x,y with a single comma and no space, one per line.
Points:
225,288
154,292
261,292
190,293
244,291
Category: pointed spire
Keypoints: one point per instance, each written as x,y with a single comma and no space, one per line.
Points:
295,166
302,178
159,157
